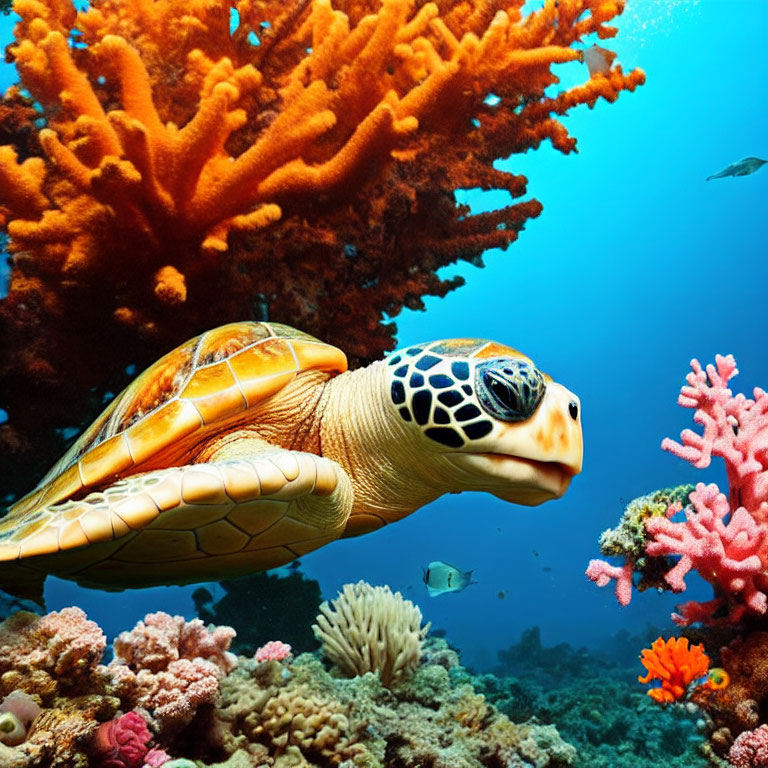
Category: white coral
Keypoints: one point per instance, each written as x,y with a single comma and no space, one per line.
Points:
370,629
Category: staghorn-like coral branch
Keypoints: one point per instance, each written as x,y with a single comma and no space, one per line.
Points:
299,162
724,539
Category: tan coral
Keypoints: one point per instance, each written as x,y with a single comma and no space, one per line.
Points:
370,629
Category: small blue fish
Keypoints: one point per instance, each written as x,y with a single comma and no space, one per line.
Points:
742,168
442,577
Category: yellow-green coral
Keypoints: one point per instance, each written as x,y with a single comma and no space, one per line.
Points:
629,537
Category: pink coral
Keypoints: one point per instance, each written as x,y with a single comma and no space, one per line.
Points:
601,573
64,644
750,749
155,758
161,639
724,553
122,742
724,539
734,555
169,666
274,650
735,429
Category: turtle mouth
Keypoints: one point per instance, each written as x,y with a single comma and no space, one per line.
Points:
514,478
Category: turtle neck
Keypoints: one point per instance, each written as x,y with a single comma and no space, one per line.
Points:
359,428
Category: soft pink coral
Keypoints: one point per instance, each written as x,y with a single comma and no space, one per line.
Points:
725,553
735,428
169,666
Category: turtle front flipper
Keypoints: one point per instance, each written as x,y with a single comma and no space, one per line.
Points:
198,522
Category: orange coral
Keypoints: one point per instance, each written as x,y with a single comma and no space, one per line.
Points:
220,160
675,665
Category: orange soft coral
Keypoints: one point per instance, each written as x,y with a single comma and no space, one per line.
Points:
219,160
675,664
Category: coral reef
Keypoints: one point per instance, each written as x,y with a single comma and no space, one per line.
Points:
314,717
725,539
166,667
49,655
255,606
370,629
262,714
595,703
192,164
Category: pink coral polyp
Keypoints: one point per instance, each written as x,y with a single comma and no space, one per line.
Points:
122,742
274,650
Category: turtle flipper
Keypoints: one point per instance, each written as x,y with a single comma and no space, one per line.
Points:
189,523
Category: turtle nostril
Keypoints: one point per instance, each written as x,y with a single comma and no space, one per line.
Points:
573,409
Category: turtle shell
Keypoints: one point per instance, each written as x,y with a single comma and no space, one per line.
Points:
210,381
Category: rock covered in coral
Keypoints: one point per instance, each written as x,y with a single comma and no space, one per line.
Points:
595,703
308,717
169,667
49,654
741,705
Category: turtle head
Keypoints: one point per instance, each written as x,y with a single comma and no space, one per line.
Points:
489,416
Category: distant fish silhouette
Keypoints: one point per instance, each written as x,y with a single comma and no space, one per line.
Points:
442,577
501,594
742,168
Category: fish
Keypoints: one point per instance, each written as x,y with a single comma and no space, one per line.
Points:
501,594
441,577
717,678
742,168
598,60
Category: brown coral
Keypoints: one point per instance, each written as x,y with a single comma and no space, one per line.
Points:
189,176
742,705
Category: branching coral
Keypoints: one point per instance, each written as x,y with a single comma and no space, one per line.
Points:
724,539
299,163
370,629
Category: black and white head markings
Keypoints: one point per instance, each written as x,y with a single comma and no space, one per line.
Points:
454,391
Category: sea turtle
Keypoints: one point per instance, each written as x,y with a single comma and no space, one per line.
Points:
252,444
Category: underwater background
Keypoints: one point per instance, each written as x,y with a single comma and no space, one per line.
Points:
636,265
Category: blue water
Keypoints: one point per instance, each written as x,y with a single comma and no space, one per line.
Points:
635,266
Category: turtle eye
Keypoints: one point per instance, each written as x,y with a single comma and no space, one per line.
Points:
509,390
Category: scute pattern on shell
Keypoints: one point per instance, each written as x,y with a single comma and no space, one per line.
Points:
211,378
